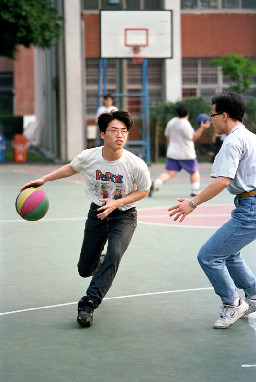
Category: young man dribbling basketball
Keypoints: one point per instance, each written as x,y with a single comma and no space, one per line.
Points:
115,180
235,168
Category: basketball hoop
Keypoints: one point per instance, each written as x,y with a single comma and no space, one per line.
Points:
136,38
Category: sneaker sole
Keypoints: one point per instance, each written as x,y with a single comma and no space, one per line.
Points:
84,324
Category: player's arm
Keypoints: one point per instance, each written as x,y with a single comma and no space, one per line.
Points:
200,130
62,172
184,208
110,204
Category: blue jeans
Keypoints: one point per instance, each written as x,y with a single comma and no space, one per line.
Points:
220,256
117,229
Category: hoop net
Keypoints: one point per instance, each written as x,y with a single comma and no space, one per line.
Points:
136,60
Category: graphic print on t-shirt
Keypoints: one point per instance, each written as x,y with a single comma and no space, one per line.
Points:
113,186
108,176
104,192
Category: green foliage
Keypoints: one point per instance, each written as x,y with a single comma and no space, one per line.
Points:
164,111
239,69
250,115
26,22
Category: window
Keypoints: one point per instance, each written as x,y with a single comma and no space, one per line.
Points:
218,4
199,78
135,5
90,4
6,93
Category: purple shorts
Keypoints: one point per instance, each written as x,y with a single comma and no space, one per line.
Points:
190,165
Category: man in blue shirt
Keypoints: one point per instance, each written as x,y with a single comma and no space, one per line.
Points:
234,168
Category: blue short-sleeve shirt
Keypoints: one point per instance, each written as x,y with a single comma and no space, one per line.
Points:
237,160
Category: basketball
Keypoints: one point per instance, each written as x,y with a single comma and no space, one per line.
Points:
202,118
32,204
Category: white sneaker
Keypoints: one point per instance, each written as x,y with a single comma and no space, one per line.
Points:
252,306
230,314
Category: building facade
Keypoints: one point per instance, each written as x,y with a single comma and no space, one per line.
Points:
208,29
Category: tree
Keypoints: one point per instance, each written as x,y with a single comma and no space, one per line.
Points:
23,22
250,115
239,69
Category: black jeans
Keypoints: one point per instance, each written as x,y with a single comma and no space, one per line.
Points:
117,229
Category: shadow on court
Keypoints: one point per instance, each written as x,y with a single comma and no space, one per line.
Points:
155,324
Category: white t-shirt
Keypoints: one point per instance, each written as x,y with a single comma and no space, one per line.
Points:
104,109
181,145
112,180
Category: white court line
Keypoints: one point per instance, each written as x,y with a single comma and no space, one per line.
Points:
108,298
205,205
43,220
188,216
248,365
180,225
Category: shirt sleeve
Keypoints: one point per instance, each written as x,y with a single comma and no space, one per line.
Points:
167,130
78,161
227,160
188,131
143,180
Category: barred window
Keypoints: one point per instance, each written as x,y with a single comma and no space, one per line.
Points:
199,78
122,4
218,4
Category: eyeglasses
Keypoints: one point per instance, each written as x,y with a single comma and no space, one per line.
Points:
213,115
117,131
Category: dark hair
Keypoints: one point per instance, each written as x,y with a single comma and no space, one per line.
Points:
182,110
107,96
231,103
105,118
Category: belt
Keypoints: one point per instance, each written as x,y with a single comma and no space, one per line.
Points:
246,194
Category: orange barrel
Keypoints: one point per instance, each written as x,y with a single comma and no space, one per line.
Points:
20,144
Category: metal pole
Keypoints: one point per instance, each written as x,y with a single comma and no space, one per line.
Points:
105,76
146,131
99,97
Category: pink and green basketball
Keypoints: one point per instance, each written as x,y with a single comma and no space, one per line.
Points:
32,204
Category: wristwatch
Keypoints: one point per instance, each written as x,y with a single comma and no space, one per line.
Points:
192,204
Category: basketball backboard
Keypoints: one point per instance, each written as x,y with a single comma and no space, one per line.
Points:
144,34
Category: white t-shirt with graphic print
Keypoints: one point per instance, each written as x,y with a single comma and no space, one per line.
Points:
112,180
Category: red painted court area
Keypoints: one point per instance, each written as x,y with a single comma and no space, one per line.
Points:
203,216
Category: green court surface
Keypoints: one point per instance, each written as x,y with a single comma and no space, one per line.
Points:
156,322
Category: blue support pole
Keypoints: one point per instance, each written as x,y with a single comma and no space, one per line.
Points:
145,111
99,96
105,76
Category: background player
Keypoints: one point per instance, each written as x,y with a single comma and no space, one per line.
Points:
181,152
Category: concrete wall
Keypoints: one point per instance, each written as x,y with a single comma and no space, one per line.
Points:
74,78
173,74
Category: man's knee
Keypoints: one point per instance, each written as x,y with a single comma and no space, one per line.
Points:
202,257
84,272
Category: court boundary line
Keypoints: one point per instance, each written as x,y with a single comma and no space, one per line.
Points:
182,225
107,298
203,204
